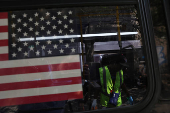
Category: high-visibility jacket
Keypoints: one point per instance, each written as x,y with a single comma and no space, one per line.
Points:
108,86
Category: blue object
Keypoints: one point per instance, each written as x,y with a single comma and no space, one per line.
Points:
130,99
114,98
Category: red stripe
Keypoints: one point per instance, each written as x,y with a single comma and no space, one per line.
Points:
42,98
3,57
40,83
4,42
3,28
3,15
41,68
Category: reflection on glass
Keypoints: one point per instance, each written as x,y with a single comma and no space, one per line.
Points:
110,72
120,57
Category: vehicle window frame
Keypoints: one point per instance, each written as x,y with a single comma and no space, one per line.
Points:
145,20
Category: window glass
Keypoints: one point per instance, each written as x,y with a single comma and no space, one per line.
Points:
71,59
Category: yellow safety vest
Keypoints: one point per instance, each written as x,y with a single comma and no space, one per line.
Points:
108,85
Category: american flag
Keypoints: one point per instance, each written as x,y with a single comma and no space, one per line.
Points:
38,57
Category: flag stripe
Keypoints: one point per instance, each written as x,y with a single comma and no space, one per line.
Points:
3,50
38,61
40,76
3,43
3,22
3,15
3,28
40,83
3,57
40,91
3,35
42,98
41,68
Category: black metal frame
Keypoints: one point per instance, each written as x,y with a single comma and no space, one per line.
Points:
167,15
153,91
7,5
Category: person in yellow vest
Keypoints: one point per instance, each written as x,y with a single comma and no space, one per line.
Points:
111,80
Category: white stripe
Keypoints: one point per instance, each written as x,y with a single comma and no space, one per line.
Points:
40,76
3,50
39,61
77,36
40,91
3,35
3,22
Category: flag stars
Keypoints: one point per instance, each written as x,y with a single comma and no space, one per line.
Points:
70,12
24,15
37,53
43,47
66,36
13,25
36,23
31,38
55,46
18,20
72,40
59,22
19,49
48,32
47,14
36,33
61,50
14,55
42,19
73,50
30,19
42,28
65,16
60,31
71,30
25,24
19,29
70,21
30,29
36,14
37,43
31,48
67,45
48,22
25,54
47,19
65,26
13,44
13,16
25,44
54,27
53,18
19,39
13,34
25,34
49,42
60,41
59,12
49,51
